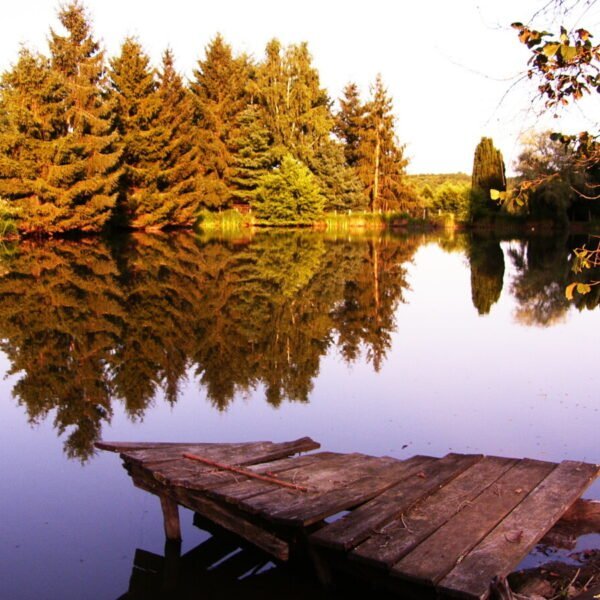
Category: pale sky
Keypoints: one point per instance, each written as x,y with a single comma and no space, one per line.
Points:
446,63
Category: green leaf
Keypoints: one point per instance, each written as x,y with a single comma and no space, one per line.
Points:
568,52
494,194
550,49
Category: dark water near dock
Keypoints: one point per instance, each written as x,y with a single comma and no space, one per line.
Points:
421,344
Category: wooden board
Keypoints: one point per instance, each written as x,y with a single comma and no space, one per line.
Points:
514,537
335,487
237,488
445,548
356,526
389,544
175,470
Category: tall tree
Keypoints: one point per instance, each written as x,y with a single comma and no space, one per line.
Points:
220,88
381,162
253,155
82,181
349,123
296,108
133,88
488,174
59,158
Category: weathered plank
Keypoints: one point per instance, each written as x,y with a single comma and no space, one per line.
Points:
236,488
437,555
239,453
132,446
388,545
513,538
331,484
356,526
301,512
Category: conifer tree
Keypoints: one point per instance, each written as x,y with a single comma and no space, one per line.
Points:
349,122
488,173
219,86
82,180
381,163
339,183
253,157
178,170
136,107
58,152
289,195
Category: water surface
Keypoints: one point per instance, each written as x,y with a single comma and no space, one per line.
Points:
392,345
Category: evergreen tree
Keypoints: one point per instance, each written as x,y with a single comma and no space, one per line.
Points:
340,185
82,180
58,153
488,174
380,160
178,170
133,88
289,195
253,156
349,123
220,84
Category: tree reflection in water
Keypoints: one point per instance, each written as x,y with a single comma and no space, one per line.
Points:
85,323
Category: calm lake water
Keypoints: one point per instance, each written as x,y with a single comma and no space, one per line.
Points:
424,344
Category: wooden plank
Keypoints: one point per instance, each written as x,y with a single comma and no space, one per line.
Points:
356,526
389,544
236,488
514,537
437,555
184,473
323,477
132,446
303,512
241,453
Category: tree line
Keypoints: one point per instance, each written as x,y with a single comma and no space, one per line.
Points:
88,142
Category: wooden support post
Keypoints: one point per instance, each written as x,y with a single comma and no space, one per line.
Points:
170,510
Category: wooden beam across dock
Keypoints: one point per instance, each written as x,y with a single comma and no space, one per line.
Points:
446,525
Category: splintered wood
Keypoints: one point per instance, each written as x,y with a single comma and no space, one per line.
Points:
449,525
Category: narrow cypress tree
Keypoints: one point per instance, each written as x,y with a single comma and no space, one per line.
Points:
488,173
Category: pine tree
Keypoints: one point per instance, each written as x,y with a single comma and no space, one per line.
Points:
32,106
178,170
349,123
134,91
82,180
253,157
289,195
219,86
381,163
58,153
340,184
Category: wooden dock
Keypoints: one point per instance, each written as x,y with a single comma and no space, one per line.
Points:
441,526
